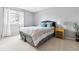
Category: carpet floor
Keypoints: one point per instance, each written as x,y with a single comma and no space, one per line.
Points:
54,44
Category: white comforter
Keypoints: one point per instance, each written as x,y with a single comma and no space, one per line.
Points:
37,33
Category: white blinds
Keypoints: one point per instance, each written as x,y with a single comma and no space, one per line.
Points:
16,17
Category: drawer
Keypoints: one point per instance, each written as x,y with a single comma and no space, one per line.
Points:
58,33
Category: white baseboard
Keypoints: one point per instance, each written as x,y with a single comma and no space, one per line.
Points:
71,38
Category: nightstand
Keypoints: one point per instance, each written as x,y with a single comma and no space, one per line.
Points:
59,33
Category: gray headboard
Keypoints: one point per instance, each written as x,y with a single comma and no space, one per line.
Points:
53,23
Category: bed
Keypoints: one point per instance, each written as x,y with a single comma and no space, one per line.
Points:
37,35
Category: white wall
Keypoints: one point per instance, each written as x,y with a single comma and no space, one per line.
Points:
29,19
65,15
61,14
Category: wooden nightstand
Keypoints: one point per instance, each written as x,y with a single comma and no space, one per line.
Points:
59,33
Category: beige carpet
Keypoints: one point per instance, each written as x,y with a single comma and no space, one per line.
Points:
15,44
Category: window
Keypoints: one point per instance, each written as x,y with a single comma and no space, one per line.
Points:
13,20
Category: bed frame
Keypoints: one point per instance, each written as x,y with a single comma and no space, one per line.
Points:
25,37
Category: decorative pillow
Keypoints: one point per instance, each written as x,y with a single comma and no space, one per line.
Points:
49,24
43,24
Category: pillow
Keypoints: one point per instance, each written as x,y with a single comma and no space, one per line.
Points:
49,24
43,25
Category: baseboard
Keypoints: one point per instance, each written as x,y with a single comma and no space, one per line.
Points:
71,38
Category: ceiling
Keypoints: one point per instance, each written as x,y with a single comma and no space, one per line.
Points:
34,9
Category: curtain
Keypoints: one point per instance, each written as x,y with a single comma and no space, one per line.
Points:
6,27
13,20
